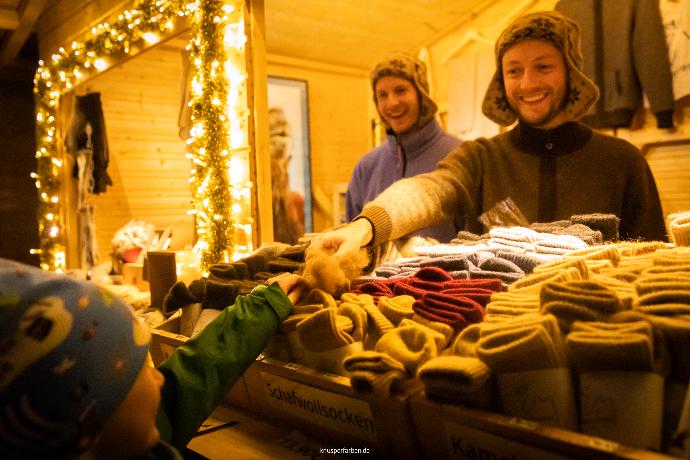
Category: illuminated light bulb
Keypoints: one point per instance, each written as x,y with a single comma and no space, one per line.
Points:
100,64
150,38
53,231
50,216
54,199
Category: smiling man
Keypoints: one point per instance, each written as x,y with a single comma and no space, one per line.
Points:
550,164
415,141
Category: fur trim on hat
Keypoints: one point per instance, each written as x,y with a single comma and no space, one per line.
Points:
412,69
559,31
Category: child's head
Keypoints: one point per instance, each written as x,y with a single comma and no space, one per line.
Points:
73,367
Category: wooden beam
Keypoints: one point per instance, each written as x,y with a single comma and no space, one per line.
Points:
9,19
27,18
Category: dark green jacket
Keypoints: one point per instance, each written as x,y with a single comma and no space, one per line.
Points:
200,373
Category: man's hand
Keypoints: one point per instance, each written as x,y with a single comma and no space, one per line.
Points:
346,239
293,285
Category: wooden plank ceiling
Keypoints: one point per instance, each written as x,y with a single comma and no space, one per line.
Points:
333,31
327,31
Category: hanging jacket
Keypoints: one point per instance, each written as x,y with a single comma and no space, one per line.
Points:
87,110
625,53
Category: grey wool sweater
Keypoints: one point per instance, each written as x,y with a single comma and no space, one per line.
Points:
550,175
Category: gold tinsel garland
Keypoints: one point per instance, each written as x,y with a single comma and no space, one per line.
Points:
145,23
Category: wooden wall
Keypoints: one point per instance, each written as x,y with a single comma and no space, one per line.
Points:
141,102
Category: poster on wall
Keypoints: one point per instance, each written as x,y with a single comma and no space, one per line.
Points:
290,157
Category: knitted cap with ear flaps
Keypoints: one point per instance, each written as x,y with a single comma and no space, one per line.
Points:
557,30
412,69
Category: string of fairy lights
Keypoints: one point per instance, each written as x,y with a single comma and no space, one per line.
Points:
218,147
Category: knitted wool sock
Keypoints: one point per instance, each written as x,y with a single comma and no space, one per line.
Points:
358,318
521,237
445,330
178,296
625,290
607,224
639,248
492,284
550,227
374,373
396,308
547,322
582,232
377,325
680,270
479,295
290,323
558,244
295,252
375,288
448,263
608,252
411,345
325,330
357,299
525,261
578,300
516,349
534,282
513,304
443,376
318,298
506,278
256,262
405,288
679,228
591,351
465,344
456,311
281,265
223,271
559,265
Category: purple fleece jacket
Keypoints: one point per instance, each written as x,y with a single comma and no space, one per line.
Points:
378,169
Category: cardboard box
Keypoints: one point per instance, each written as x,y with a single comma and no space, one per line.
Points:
449,431
325,406
164,341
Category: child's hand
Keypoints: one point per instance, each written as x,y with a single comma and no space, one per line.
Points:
292,284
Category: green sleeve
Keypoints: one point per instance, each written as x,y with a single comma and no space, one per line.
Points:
200,373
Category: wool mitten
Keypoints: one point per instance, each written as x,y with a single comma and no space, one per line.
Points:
325,330
178,296
396,308
411,345
375,373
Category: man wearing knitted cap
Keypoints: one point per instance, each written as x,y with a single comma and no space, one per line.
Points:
415,140
551,165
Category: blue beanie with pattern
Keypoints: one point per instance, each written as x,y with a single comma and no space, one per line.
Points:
69,354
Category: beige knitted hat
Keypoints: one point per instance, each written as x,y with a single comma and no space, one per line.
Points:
410,68
555,29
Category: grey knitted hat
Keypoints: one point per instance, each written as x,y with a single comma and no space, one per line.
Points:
410,68
559,31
